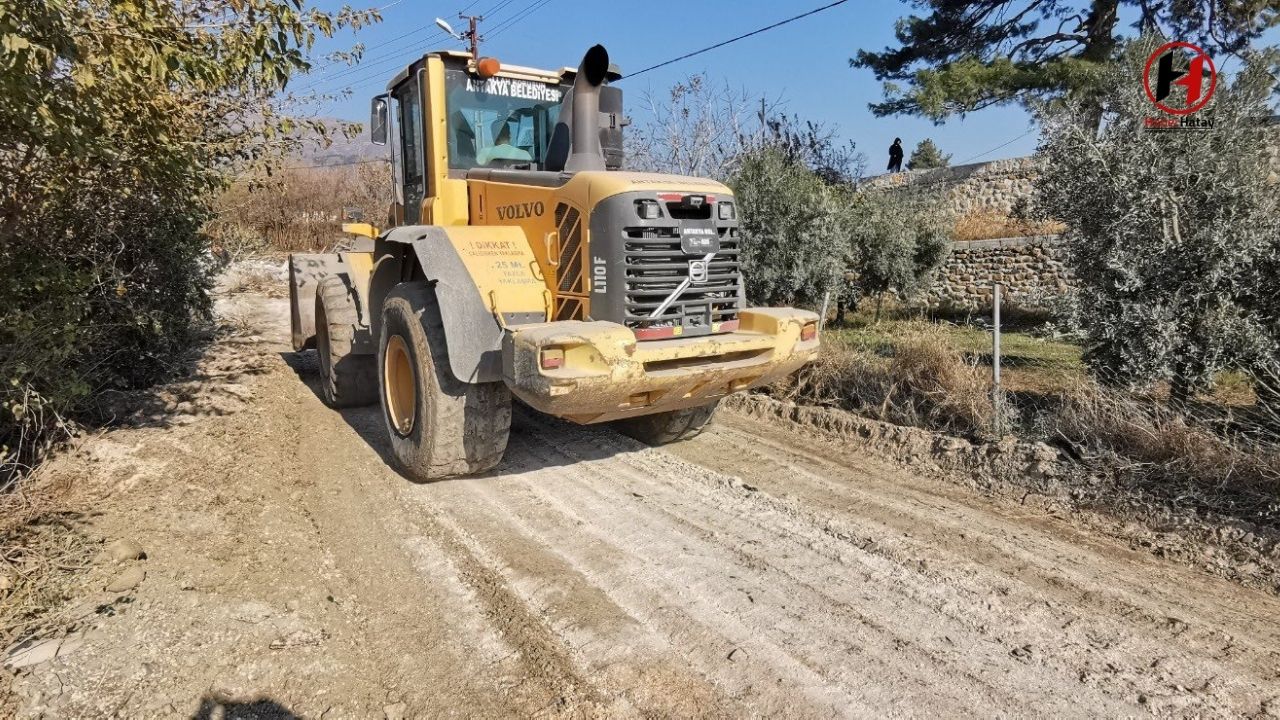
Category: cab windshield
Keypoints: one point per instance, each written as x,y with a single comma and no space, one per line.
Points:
499,122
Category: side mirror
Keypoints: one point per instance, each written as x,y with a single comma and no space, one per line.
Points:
378,120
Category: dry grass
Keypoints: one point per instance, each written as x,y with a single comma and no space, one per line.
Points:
1030,363
1177,454
42,554
258,281
1209,457
923,380
991,225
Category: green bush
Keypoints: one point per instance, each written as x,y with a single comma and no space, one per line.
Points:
898,240
793,246
119,122
1174,236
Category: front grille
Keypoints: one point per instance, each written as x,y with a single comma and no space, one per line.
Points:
656,265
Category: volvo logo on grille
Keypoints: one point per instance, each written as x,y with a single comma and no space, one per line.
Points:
698,270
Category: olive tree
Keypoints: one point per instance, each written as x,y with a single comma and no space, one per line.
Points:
898,239
792,237
1173,235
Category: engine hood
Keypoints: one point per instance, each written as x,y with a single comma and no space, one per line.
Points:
603,185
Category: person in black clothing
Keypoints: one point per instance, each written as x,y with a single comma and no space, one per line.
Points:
895,155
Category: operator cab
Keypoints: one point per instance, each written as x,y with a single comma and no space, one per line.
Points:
500,122
507,120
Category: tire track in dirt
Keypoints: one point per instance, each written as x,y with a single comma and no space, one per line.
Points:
809,568
608,492
755,570
1178,630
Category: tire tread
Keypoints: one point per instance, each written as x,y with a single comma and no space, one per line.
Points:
346,379
469,422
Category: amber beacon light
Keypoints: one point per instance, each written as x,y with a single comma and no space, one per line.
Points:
488,67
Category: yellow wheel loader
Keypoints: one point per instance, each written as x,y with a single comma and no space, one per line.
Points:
519,259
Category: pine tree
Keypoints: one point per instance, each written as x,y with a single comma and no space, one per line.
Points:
927,156
965,56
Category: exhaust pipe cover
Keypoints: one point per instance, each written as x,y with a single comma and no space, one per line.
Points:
580,115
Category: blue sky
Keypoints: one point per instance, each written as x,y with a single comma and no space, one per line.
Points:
805,63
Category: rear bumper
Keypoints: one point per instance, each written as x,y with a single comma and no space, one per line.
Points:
608,375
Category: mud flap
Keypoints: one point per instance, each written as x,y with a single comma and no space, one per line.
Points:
305,274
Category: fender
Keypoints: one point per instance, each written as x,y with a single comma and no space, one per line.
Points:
486,280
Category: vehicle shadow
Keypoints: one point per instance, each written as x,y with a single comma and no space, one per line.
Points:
366,421
537,441
217,706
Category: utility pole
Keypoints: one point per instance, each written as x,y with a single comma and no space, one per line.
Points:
473,34
997,392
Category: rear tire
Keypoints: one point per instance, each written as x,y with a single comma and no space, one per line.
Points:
668,427
439,426
346,379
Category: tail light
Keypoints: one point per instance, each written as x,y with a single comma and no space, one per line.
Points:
809,331
551,358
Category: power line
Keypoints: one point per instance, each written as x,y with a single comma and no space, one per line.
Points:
365,58
369,78
517,18
359,70
494,10
366,61
393,3
736,39
998,147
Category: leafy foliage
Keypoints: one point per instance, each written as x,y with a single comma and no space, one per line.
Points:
118,123
964,56
898,241
1174,236
927,156
793,245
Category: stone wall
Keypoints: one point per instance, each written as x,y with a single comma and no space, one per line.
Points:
1030,269
978,188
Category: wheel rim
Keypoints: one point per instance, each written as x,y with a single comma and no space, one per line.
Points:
398,382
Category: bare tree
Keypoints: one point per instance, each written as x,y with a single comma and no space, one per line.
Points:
702,129
696,128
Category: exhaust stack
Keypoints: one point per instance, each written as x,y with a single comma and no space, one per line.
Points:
584,122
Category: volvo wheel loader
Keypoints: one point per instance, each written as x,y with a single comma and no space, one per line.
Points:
519,259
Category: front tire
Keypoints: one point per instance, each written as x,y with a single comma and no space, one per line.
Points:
668,427
439,426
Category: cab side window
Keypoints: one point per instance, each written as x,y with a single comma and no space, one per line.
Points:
409,119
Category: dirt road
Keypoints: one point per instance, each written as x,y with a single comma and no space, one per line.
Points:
753,571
